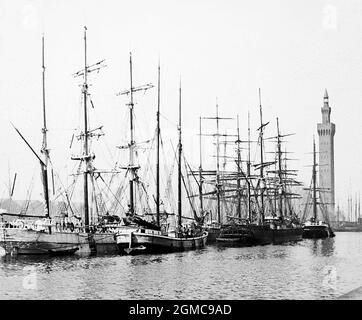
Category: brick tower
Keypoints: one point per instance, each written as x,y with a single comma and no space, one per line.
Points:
326,131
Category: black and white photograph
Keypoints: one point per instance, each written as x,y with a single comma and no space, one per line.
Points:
184,151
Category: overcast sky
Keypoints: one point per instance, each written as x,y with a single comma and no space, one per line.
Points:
292,50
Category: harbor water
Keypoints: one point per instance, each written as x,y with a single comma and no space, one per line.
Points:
309,269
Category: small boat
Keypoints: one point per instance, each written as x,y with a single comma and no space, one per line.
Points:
316,229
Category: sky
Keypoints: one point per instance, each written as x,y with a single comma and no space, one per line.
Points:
221,50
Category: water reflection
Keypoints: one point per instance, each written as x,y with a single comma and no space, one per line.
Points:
311,269
322,247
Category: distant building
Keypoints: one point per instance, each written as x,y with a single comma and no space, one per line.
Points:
326,131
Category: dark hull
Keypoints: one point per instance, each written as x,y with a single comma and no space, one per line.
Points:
139,243
235,235
264,235
213,233
258,235
235,241
317,232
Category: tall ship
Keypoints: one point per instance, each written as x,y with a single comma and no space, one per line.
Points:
211,182
158,235
317,226
70,232
276,220
258,207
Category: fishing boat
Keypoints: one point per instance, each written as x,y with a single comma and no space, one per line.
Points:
34,234
315,228
161,238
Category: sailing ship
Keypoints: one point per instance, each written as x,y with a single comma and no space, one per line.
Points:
159,237
34,234
315,228
267,215
276,221
213,178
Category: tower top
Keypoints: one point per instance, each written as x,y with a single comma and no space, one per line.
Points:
326,110
326,98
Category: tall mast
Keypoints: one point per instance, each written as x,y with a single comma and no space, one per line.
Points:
355,208
217,175
314,177
218,163
86,135
132,168
261,158
132,142
338,213
200,170
351,208
239,168
44,149
280,171
248,170
158,151
179,161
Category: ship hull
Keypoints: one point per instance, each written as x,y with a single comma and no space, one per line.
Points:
235,236
235,240
139,242
265,235
213,233
29,242
20,241
317,232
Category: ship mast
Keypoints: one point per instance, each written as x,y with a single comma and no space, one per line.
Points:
248,171
86,136
132,143
179,163
338,214
132,168
158,152
217,182
314,177
280,171
218,164
239,169
200,170
44,149
261,158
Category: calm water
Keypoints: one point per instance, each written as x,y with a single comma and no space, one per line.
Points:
310,269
